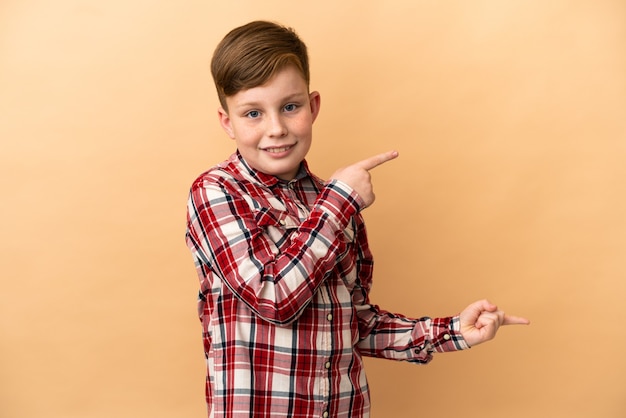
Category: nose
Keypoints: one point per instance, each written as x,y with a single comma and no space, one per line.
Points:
276,126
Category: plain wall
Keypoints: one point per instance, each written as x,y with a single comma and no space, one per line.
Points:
510,119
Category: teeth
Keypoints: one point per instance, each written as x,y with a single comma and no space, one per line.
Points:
281,149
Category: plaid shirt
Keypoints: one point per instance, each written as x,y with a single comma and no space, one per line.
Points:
285,272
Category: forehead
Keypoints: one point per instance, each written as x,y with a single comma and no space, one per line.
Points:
287,83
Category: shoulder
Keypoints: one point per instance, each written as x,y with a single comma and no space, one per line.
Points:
213,177
219,175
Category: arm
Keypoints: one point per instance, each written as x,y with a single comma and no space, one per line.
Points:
229,238
393,336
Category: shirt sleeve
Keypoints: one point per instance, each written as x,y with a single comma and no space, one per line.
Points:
393,336
225,234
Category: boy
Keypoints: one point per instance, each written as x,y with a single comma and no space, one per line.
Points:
282,256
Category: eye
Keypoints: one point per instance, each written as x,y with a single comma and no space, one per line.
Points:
290,107
253,114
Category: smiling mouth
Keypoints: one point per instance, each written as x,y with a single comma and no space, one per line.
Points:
276,150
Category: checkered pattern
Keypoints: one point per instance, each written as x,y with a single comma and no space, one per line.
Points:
285,271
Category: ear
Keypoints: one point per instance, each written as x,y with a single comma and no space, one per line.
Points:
225,122
314,103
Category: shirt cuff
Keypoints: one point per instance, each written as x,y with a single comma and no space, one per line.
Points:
446,335
438,335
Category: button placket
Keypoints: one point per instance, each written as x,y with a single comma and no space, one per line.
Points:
328,364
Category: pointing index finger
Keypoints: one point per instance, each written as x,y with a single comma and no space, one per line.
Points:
515,320
376,160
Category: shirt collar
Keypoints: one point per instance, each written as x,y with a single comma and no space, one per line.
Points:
271,181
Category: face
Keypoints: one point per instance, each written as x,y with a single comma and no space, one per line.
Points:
272,124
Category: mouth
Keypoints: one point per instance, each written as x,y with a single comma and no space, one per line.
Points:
278,150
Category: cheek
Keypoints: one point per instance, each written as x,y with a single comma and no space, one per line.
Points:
303,126
247,135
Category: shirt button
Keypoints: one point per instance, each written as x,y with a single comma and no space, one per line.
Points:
446,337
329,317
325,414
282,222
327,365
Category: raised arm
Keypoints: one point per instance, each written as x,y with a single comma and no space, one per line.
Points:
276,276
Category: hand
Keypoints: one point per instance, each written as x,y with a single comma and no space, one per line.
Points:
480,322
357,175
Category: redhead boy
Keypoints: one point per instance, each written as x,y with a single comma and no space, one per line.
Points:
282,256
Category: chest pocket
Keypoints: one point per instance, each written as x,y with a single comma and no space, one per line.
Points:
277,225
277,218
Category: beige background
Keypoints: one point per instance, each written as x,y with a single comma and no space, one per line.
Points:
510,117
